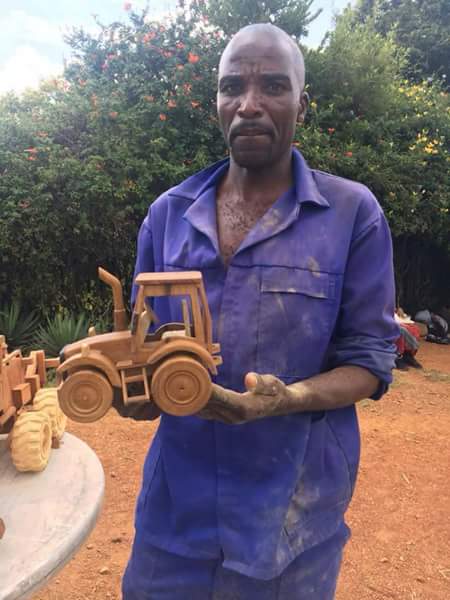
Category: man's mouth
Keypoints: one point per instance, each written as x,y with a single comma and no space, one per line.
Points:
249,132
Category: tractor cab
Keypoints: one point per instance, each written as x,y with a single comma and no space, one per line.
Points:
188,288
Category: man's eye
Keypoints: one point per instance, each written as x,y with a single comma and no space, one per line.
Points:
274,88
230,88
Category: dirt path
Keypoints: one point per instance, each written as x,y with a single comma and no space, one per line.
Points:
400,515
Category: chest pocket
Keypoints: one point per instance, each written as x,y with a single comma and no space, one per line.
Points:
294,322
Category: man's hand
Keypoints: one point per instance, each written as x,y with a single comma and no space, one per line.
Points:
266,396
138,411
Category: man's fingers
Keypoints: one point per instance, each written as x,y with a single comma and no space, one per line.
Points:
267,385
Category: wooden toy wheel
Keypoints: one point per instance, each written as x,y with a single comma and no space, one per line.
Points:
46,400
31,441
85,396
181,386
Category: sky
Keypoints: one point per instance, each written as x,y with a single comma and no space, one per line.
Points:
32,31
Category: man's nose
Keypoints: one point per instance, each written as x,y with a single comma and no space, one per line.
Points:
250,105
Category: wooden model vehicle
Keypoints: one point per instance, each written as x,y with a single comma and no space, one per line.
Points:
170,366
29,413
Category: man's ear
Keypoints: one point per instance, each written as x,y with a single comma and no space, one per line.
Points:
303,107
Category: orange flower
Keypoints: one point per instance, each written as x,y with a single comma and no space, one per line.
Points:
113,114
193,58
195,104
148,37
349,154
172,104
162,117
187,87
149,98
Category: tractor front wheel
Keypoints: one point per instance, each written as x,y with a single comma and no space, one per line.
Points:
181,385
85,396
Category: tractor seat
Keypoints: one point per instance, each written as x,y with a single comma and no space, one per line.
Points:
176,333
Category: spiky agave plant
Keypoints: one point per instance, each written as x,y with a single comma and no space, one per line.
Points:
60,330
17,325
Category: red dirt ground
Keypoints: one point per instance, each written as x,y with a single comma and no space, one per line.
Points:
400,518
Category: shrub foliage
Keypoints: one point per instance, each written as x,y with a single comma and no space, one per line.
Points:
82,157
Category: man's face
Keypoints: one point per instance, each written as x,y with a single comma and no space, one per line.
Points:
259,99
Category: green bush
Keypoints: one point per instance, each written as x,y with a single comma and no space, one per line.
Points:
83,157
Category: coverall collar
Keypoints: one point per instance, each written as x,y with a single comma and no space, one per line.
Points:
201,214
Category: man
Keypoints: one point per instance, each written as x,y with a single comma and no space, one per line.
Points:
246,500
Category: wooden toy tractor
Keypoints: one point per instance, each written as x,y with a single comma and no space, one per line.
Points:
29,413
170,366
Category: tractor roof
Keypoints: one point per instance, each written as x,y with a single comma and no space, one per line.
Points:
175,277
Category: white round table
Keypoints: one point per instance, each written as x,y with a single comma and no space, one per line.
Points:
47,515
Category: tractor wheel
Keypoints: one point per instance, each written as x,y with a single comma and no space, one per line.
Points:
46,400
31,441
181,385
85,396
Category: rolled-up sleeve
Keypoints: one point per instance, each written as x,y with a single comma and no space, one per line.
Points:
366,329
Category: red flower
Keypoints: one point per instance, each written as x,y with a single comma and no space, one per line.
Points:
171,104
148,37
331,130
180,45
31,150
82,82
193,58
195,104
180,67
113,114
162,117
127,6
167,53
349,154
187,87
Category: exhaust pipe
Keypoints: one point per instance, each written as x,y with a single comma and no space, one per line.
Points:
120,314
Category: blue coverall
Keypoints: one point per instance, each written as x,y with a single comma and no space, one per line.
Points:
262,504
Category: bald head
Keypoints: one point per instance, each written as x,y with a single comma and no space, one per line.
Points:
272,35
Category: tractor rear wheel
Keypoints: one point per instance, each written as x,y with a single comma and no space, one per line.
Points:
181,385
31,441
85,396
46,400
